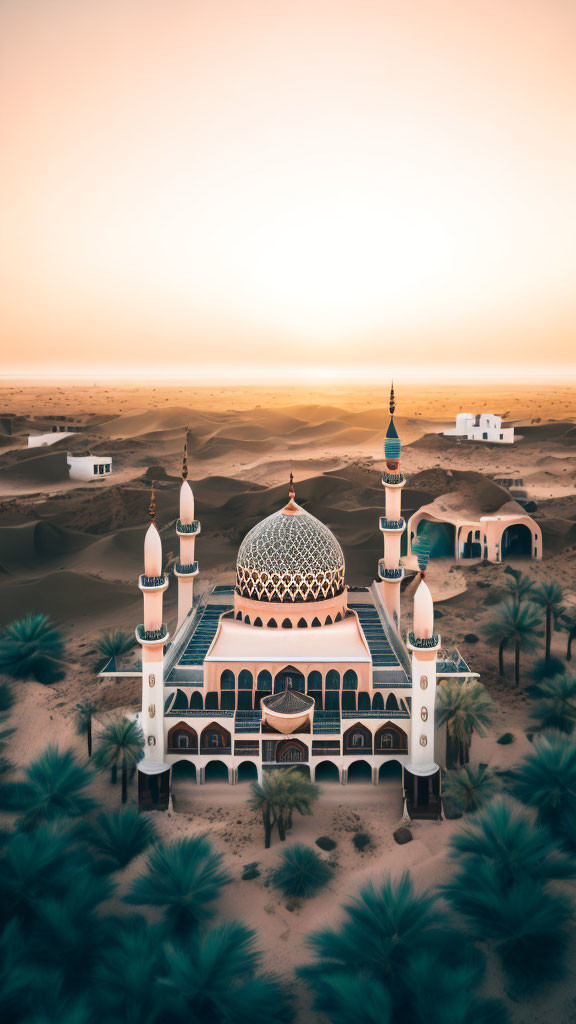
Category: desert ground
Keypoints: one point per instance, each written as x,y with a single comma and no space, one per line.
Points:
74,551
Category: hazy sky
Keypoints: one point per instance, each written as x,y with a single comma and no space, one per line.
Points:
256,182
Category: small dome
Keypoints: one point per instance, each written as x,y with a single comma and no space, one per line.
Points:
290,556
186,503
152,552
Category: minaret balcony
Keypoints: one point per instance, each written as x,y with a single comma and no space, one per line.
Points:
152,636
390,575
391,525
423,643
186,569
393,480
188,529
147,583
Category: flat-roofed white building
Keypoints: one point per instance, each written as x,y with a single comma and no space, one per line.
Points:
89,467
485,426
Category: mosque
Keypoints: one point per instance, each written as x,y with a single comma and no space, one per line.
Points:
289,667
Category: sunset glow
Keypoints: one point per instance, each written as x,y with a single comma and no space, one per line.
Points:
269,184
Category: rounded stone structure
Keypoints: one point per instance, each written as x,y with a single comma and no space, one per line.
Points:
287,711
290,557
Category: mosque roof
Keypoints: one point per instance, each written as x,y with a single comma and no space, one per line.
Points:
288,702
341,642
290,556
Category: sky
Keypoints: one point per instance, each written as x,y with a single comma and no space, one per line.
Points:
203,187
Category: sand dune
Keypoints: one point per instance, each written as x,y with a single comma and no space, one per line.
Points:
161,419
67,597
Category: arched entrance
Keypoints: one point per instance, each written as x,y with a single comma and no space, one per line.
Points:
247,772
289,678
183,771
517,541
389,770
441,537
390,738
326,771
359,771
215,771
291,752
470,543
182,737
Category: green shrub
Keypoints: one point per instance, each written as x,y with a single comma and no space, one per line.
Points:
302,872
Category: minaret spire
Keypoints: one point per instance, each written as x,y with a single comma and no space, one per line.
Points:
187,529
392,524
291,491
152,635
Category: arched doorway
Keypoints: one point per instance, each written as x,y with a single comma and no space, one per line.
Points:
390,738
359,771
182,737
183,771
441,537
326,771
358,740
196,701
390,770
289,678
215,771
470,543
215,739
517,541
291,752
247,772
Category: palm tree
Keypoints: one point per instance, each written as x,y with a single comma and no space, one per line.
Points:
550,597
518,586
516,624
130,974
33,864
32,648
470,787
556,707
503,834
54,787
182,878
119,836
546,777
83,719
112,644
301,872
464,708
568,623
526,923
264,800
296,793
120,745
216,980
391,939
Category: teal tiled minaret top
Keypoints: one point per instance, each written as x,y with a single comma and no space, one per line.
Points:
392,445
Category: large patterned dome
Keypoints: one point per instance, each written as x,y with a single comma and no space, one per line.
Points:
290,556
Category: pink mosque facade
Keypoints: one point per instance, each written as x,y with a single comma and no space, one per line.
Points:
289,667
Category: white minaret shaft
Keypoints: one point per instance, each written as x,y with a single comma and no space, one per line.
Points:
152,636
392,524
424,645
187,529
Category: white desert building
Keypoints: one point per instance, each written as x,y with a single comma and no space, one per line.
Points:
485,426
287,667
89,467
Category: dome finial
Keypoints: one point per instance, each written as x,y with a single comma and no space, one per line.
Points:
185,458
392,400
152,505
291,491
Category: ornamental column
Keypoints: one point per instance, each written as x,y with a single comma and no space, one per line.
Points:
152,635
421,773
187,529
392,524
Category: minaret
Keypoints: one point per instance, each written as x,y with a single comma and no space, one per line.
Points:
392,525
187,529
153,773
421,773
